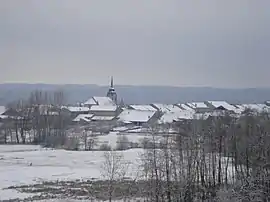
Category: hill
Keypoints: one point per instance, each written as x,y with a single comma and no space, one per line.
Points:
138,94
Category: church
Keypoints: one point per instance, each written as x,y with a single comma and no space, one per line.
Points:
109,100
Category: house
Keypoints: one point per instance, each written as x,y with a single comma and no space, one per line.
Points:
199,107
173,108
185,107
171,117
221,105
103,123
137,117
83,118
166,107
104,110
74,111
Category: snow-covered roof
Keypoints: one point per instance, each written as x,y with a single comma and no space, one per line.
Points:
103,101
77,109
196,105
103,108
90,101
185,107
2,109
143,107
166,107
160,107
3,116
173,108
224,104
130,115
175,116
102,118
85,117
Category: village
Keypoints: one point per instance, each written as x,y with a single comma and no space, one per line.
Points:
99,123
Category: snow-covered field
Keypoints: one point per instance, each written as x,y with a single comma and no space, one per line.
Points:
25,164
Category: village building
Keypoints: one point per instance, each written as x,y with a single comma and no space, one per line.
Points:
104,111
171,117
101,109
185,107
166,108
221,105
74,111
137,117
199,107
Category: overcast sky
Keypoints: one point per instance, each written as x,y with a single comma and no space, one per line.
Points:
154,42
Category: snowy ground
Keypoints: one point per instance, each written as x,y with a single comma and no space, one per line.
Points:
31,164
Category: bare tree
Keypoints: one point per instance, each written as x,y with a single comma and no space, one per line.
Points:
113,169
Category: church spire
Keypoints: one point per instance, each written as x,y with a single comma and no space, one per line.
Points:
111,92
111,81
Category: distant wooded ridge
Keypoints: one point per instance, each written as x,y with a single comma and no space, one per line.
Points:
138,94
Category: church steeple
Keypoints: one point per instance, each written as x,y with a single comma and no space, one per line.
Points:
111,81
112,93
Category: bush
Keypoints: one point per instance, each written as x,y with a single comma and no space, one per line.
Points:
105,147
122,143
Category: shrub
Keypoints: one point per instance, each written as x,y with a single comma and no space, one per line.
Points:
122,143
105,147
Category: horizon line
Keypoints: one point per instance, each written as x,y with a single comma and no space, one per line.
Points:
131,85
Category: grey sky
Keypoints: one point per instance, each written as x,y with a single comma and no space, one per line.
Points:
156,42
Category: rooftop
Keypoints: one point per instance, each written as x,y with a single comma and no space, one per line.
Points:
224,104
135,115
103,101
103,108
102,118
143,107
185,107
196,105
176,116
85,117
77,109
166,107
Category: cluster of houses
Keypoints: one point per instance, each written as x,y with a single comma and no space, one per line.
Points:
106,110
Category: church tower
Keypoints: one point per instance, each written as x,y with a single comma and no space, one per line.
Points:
112,93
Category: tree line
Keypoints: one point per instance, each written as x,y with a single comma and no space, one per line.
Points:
38,119
218,159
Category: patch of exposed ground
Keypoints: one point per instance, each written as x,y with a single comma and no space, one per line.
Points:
82,190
